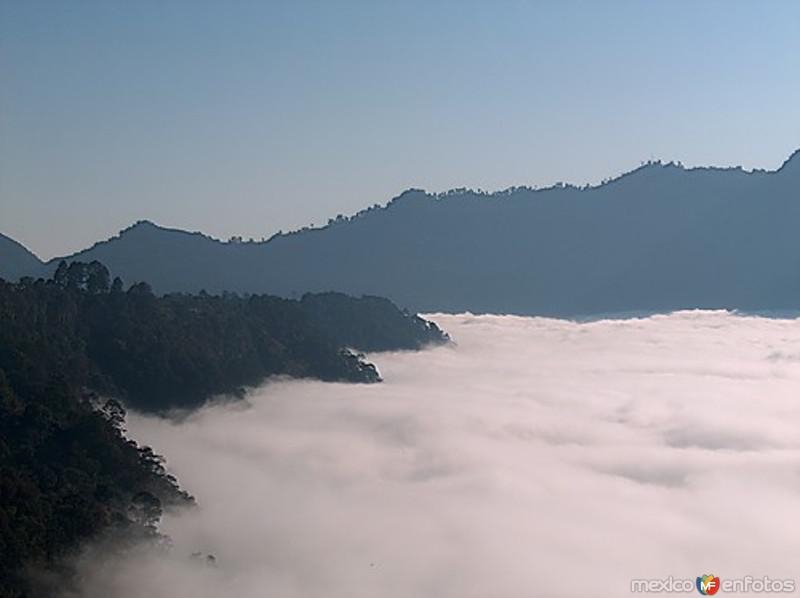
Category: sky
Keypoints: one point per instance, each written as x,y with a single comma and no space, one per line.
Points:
535,457
244,118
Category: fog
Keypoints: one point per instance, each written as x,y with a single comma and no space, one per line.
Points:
536,457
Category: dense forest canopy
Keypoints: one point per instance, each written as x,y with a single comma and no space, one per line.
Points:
369,323
159,353
67,471
72,345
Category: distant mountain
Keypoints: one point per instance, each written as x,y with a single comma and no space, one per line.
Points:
661,237
16,260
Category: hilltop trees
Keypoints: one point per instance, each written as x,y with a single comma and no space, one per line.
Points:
92,277
369,323
159,353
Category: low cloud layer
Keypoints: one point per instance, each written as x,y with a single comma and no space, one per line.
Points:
537,457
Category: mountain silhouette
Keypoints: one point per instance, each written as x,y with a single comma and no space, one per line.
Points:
661,237
16,261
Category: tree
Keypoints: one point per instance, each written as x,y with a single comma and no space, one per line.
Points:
140,289
76,276
145,510
97,278
117,286
114,412
60,277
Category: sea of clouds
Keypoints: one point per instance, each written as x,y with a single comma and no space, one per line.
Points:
535,457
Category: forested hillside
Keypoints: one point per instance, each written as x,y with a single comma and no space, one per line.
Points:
159,353
72,345
67,472
369,323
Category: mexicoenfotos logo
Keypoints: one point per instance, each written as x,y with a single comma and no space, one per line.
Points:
707,585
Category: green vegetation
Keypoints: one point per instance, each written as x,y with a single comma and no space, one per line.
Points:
160,353
67,471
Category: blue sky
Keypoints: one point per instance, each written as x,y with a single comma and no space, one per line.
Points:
242,118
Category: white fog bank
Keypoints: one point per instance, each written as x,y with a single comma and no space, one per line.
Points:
537,457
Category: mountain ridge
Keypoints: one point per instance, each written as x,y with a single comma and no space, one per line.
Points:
659,237
793,161
16,260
